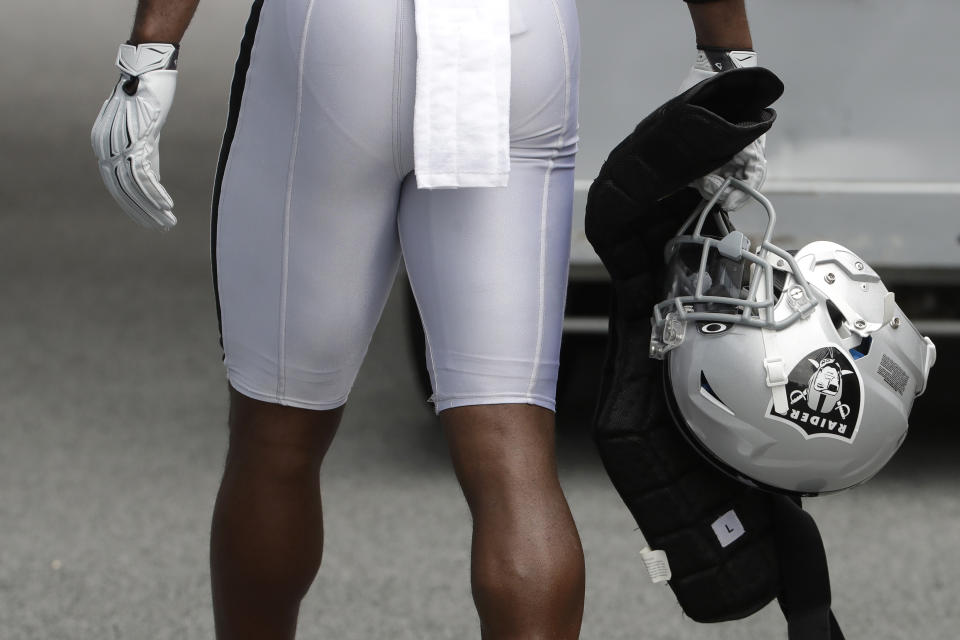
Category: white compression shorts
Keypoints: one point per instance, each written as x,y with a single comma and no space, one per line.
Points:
315,201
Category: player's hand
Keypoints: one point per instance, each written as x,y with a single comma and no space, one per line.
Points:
750,165
126,133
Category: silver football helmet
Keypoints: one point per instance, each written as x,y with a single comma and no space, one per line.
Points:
794,372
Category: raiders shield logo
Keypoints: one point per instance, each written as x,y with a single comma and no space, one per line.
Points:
824,392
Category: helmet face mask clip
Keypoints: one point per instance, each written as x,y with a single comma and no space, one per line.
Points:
792,371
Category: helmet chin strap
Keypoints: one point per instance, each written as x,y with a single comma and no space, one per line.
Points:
776,370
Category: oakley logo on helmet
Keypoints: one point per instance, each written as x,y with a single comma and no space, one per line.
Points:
713,327
824,390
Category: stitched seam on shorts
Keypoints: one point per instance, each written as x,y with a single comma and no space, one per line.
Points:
397,84
544,205
541,268
281,333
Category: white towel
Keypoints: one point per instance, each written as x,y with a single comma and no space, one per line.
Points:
461,121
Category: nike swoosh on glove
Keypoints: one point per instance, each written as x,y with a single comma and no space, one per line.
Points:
750,164
126,133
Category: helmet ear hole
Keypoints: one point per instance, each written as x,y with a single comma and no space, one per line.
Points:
836,316
862,349
839,320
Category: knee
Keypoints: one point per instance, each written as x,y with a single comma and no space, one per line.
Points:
272,463
534,549
524,531
286,444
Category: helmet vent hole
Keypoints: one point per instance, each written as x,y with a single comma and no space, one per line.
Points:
707,392
836,316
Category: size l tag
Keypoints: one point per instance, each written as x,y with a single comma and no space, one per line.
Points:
728,528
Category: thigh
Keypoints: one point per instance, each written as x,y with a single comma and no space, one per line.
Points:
305,239
488,266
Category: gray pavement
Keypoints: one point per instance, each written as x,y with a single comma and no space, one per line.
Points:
112,421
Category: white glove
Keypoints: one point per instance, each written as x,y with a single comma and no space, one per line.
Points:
126,133
750,165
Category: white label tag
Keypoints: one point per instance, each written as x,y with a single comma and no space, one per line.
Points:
728,528
656,563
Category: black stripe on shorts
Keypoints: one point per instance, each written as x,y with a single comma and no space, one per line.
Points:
236,95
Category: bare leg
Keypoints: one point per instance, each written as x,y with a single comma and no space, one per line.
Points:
527,567
267,535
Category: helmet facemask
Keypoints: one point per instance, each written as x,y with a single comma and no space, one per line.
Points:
721,280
